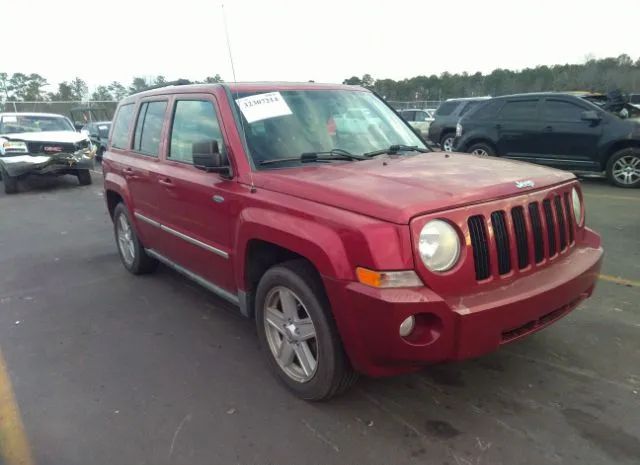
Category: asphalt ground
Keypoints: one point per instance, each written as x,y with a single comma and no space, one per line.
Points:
100,367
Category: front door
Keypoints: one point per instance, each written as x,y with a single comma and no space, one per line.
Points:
197,205
569,141
518,129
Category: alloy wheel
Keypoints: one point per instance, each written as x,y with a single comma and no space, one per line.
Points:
447,144
480,152
125,240
291,334
626,170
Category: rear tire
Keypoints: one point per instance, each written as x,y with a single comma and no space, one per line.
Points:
132,253
623,168
330,372
10,182
482,149
84,177
446,142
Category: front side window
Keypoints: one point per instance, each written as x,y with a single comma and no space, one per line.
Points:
559,110
519,109
194,121
121,125
12,124
289,123
149,128
421,116
488,110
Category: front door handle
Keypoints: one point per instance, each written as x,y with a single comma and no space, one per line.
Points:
548,129
167,182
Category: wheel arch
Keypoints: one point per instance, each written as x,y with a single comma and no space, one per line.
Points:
480,140
616,147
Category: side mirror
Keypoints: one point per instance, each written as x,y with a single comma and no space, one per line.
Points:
590,115
207,157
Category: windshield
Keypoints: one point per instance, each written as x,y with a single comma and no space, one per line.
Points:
12,124
289,123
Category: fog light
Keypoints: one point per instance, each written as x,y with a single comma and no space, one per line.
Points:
406,327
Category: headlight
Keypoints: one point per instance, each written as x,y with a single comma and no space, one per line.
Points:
577,206
14,146
458,130
439,245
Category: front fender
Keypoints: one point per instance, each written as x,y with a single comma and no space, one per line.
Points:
317,242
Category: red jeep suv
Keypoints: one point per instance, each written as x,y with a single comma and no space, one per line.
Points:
319,212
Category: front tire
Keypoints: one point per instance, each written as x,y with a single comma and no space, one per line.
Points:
623,168
132,253
298,334
482,149
84,177
446,142
10,182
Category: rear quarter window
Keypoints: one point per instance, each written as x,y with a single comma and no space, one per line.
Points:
121,125
447,108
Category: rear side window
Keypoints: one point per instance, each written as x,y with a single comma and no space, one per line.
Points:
469,106
149,128
447,108
121,125
487,110
519,109
194,121
560,110
408,115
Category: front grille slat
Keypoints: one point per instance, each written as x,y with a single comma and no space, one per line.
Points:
536,226
569,212
502,241
562,225
551,227
522,243
479,243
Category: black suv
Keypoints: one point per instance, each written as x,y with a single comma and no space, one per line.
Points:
554,129
443,128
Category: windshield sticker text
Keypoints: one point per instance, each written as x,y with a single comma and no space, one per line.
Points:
263,106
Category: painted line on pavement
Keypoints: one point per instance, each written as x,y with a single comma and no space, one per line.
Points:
619,280
14,446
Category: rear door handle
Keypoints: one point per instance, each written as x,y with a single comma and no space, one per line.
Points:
548,129
167,182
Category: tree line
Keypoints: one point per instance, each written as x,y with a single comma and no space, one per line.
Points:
598,75
20,87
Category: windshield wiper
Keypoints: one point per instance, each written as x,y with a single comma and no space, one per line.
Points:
308,157
393,149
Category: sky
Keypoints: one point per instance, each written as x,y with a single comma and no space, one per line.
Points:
325,41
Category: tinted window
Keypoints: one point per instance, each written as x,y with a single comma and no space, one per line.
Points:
193,121
469,106
519,109
409,115
447,108
558,110
635,98
487,110
149,128
121,125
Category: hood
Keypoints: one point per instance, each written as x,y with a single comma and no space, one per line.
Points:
47,136
397,188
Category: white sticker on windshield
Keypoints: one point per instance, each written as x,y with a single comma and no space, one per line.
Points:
9,119
263,106
103,128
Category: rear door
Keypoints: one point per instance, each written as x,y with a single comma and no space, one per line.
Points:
569,141
518,129
196,206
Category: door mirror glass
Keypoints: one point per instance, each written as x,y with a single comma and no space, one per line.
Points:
207,157
590,115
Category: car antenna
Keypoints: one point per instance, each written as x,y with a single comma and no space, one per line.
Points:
252,189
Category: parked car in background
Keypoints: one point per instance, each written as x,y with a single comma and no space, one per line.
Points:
634,99
350,254
418,119
99,134
442,129
42,144
555,129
